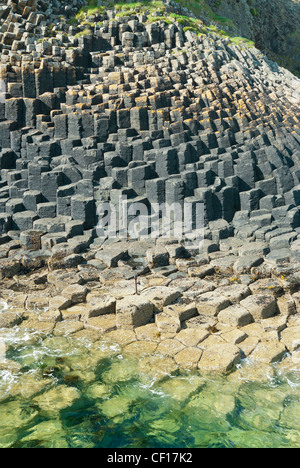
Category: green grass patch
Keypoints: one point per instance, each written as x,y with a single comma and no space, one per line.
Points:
88,10
136,6
223,21
295,34
190,28
156,11
125,13
242,41
156,19
255,11
122,9
196,6
85,32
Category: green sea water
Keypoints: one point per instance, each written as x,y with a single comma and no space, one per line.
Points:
64,392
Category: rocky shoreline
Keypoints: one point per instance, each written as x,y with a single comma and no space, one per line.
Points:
205,312
159,108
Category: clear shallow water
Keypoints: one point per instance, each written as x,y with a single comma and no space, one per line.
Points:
58,392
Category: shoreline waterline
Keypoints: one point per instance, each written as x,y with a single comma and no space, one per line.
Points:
58,392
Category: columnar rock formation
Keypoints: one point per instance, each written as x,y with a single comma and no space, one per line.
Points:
143,108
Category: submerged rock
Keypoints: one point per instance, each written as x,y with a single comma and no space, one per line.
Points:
60,397
157,366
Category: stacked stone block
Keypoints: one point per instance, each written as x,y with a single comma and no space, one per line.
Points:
126,110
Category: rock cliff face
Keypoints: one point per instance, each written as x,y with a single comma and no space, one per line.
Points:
48,9
145,103
158,105
274,25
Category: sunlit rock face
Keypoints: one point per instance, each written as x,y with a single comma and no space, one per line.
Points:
145,108
110,334
269,24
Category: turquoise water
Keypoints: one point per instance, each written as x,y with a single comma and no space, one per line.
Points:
58,392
